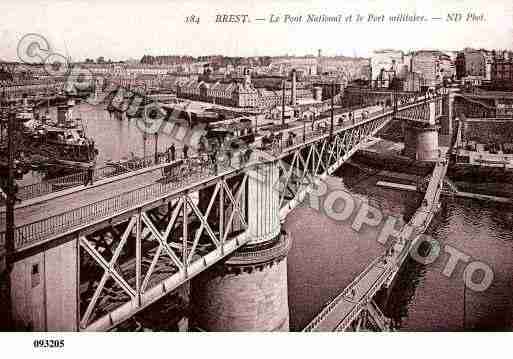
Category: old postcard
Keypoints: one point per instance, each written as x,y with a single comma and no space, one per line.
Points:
242,166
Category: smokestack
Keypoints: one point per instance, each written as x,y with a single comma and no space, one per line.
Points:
283,102
247,76
317,93
293,93
432,113
61,113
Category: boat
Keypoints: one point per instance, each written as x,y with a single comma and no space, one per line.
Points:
25,111
237,134
62,141
25,114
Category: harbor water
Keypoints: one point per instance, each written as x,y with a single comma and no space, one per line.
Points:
327,255
115,139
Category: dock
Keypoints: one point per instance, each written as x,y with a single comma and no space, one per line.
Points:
461,194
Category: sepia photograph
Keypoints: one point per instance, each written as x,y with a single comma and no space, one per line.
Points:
255,166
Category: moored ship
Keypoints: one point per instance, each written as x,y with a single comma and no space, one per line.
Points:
55,144
63,140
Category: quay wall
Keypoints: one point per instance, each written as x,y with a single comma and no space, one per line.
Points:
488,131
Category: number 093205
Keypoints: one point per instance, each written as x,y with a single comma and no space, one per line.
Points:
48,343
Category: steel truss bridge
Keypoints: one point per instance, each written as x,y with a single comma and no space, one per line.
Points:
123,246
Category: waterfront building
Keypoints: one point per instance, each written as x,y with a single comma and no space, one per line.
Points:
501,72
427,64
475,64
238,94
241,92
460,65
412,82
447,67
385,66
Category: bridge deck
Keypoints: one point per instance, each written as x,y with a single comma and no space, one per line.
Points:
57,216
113,170
60,204
347,303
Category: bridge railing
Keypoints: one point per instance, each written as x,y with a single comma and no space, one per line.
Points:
76,179
28,234
322,127
50,186
342,296
366,299
73,180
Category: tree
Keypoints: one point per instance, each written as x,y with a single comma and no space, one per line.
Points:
100,60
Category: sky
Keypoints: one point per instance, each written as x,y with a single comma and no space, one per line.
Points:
122,29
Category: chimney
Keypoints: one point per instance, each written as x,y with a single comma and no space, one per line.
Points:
247,76
293,92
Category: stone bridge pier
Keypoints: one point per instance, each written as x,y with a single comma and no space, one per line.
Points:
448,113
248,290
421,137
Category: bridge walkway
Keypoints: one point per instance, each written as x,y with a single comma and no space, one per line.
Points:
86,195
58,216
114,170
382,322
49,218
